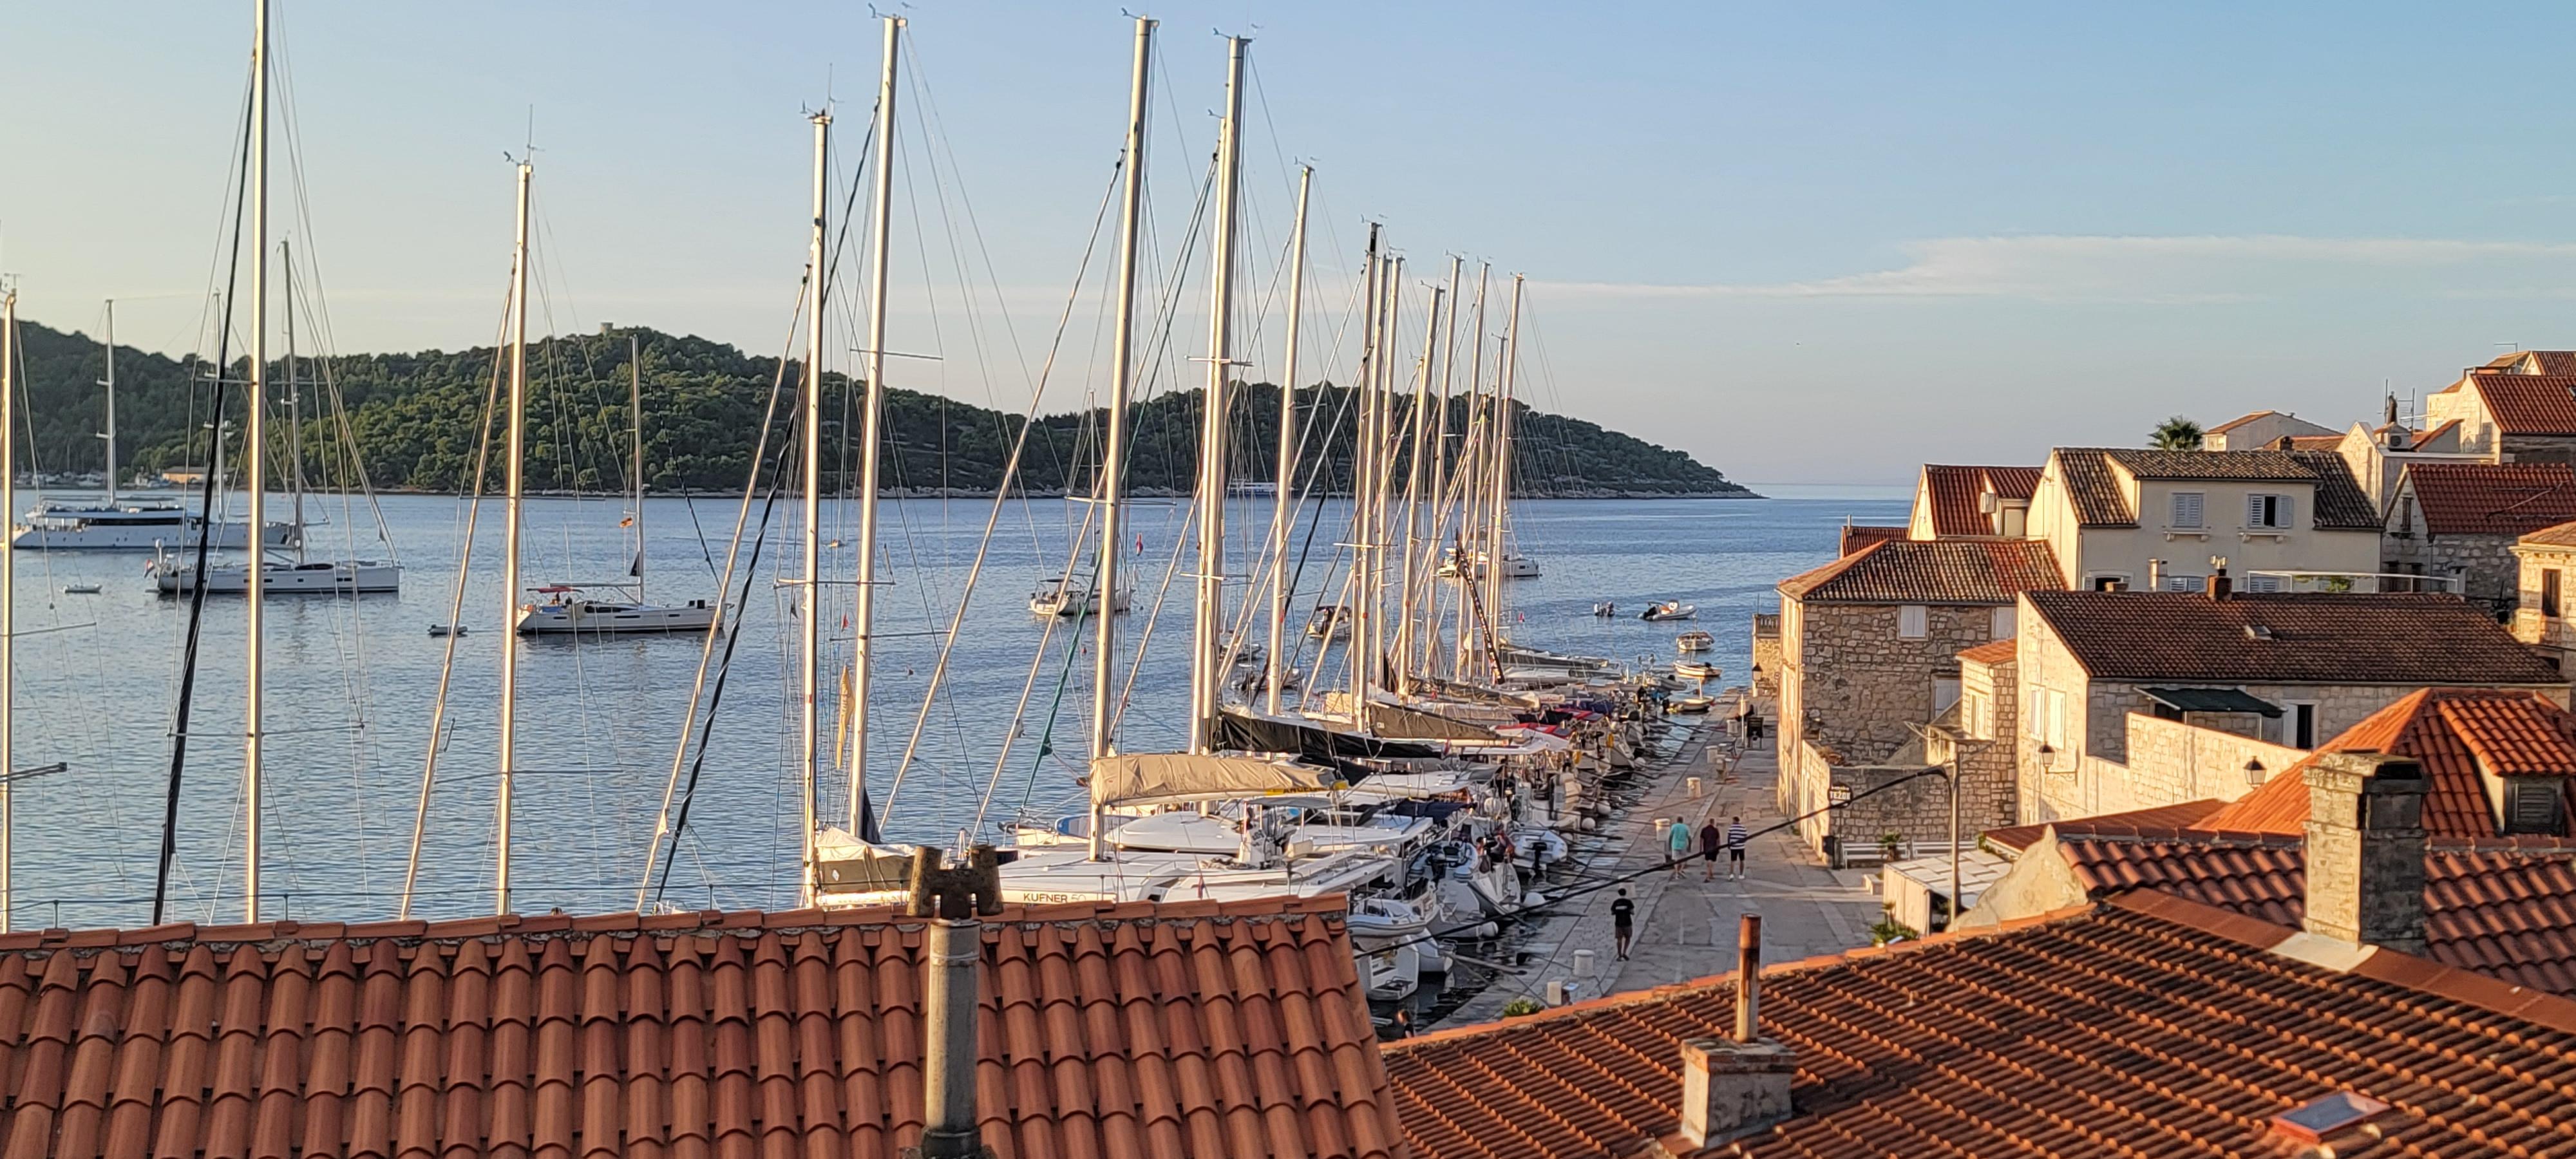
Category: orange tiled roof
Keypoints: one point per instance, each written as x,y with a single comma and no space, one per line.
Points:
2447,730
2160,819
2562,535
2091,476
2552,362
2146,1025
2528,404
1955,493
1857,536
2506,909
2288,638
2492,498
1993,651
2310,442
2241,420
1116,1031
1926,571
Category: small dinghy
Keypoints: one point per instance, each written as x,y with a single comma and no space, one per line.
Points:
1669,610
1691,704
80,589
1700,670
1605,608
1695,641
447,629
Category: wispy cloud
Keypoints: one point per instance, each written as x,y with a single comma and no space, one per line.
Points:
2143,269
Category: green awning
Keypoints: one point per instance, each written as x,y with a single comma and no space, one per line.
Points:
2211,700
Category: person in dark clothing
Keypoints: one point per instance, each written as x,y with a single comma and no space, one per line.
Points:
1623,922
1710,841
1403,1022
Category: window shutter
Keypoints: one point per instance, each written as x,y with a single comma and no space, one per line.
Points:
1913,621
2281,516
2006,622
2253,511
2186,508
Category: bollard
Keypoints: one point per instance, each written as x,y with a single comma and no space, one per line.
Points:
1662,824
1583,960
1692,784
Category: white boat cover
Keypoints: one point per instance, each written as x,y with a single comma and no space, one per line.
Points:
1132,778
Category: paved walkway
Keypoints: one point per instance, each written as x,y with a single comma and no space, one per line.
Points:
1686,927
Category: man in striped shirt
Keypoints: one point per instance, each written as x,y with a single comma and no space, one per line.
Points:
1735,838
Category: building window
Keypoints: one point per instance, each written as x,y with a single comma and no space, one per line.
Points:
2262,583
2268,512
2549,592
2004,623
2186,510
1945,692
2301,725
2184,583
1913,622
2108,583
2531,806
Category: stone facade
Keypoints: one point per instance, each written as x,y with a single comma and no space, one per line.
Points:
1851,683
1767,657
2365,850
2534,623
2483,565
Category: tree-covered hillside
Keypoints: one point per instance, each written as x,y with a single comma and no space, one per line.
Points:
414,419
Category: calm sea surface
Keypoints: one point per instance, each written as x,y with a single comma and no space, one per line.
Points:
351,686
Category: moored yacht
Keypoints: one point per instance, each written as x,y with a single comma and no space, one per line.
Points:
134,525
175,573
566,611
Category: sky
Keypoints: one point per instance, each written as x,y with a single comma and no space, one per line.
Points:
1811,243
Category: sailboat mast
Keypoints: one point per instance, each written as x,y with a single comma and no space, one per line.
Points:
510,544
1440,472
1113,457
809,612
294,403
1502,466
1206,660
109,436
254,431
862,816
1353,615
1415,499
1382,468
8,596
635,450
1470,470
1283,504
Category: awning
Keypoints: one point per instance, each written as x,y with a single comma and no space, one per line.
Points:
2211,700
1131,778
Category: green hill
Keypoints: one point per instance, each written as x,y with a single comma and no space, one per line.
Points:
413,419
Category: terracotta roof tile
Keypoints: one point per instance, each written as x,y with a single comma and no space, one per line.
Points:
2562,535
1857,536
2241,420
1993,651
2448,731
2093,487
2528,404
2163,818
1907,571
1956,495
2492,498
782,1034
2149,1026
2420,639
2092,481
2503,909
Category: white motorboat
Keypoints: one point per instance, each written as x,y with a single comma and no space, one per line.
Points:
176,574
135,525
1064,596
567,612
1669,610
1695,670
1329,622
1515,566
1695,641
1605,608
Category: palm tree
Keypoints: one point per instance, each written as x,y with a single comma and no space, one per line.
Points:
2175,434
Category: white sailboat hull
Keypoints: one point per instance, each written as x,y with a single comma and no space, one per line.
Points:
1515,566
175,576
58,534
586,617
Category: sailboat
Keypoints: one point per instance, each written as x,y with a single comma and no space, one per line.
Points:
1072,595
568,609
175,573
129,523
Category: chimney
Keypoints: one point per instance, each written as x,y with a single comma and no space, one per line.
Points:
2219,585
2155,575
2365,850
1736,1087
954,952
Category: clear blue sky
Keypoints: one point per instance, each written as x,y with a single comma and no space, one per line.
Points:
1803,242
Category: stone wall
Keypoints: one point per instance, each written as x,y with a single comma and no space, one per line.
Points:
1768,657
2536,449
1851,685
2545,628
2484,564
2171,761
1919,809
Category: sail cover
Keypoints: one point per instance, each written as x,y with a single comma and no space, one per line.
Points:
1238,729
1396,720
1132,778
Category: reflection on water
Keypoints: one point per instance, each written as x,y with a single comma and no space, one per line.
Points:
350,688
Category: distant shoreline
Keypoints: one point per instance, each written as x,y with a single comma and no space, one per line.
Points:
888,493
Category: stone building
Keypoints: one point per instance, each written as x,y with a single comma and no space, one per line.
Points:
2546,565
1952,502
2260,431
2518,408
2122,519
2458,522
2285,670
1869,648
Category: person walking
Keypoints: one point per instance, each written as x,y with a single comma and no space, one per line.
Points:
1677,843
1710,841
1623,921
1735,838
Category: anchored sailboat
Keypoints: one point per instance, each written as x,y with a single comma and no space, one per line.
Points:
567,608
